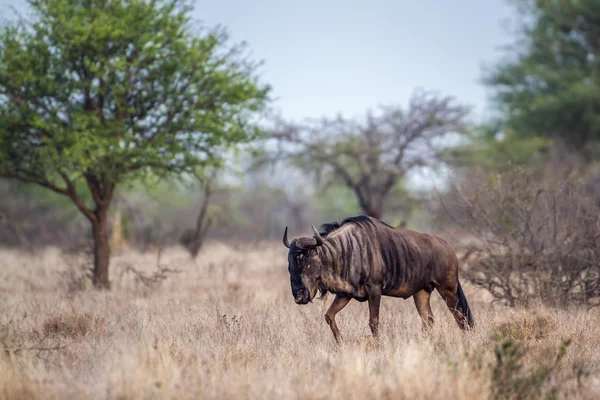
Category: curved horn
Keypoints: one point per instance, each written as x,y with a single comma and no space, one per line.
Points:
317,236
286,242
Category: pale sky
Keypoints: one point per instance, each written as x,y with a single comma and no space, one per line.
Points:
328,56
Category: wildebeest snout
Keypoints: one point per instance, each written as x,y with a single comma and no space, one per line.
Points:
302,297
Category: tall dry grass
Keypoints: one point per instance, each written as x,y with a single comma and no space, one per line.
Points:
225,326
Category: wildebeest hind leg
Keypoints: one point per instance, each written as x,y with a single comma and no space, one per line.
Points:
338,303
451,298
423,305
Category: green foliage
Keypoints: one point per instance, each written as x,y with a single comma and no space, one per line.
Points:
336,202
493,153
111,89
510,380
550,87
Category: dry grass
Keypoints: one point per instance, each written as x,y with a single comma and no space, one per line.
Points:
528,326
226,327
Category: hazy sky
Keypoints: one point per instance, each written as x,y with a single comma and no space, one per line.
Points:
329,56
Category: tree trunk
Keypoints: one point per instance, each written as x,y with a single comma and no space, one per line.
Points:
101,250
373,212
203,223
368,203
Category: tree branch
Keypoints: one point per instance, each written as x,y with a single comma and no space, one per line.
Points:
72,193
371,158
38,180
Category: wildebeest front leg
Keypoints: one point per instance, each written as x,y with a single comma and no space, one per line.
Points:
338,303
374,295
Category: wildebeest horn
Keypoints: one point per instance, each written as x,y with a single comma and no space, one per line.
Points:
318,237
286,242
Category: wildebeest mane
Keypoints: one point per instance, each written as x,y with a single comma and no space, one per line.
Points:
361,220
349,252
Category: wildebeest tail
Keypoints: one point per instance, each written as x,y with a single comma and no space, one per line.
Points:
464,306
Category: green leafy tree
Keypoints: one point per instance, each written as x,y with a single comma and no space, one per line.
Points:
492,152
103,91
548,87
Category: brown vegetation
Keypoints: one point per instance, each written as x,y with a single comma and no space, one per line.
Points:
537,235
528,326
226,327
73,325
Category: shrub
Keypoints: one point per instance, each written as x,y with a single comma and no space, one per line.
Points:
73,325
537,237
527,327
510,380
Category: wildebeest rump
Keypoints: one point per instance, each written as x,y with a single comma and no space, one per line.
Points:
363,258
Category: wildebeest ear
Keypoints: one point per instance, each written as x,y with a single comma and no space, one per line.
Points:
317,236
286,242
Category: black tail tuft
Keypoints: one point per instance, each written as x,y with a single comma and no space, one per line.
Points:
464,306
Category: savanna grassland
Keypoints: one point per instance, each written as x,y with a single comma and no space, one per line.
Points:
225,326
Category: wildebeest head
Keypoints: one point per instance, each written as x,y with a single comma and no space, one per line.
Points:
304,265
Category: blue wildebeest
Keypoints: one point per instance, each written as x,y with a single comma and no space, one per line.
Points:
363,258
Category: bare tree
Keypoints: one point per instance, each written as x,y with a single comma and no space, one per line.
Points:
203,221
536,235
215,209
371,158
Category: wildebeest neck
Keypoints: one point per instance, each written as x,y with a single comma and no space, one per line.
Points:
343,258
